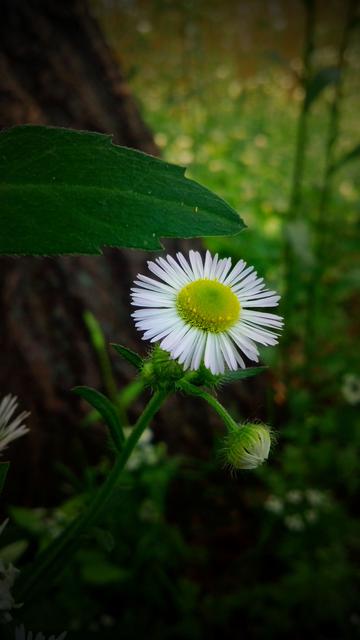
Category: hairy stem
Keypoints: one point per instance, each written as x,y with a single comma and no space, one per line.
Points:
211,400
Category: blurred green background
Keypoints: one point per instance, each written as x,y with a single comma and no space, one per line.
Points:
260,100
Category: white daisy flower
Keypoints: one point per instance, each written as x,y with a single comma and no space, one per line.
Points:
204,310
11,429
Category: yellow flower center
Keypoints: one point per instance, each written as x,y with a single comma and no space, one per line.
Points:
208,305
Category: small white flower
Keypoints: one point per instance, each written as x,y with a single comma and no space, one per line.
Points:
11,429
294,522
203,310
351,388
274,504
315,497
294,496
145,452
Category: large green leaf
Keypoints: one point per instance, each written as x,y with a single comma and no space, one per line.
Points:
68,192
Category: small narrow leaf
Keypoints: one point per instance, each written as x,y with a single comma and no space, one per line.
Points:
106,409
204,378
240,374
74,192
129,355
4,468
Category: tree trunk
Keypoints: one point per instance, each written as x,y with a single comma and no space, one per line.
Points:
56,69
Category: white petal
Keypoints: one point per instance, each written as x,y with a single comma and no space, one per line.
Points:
185,265
273,301
174,275
228,351
235,273
210,354
174,338
244,343
226,266
196,264
264,319
220,364
177,267
207,265
213,266
155,285
185,345
152,313
199,349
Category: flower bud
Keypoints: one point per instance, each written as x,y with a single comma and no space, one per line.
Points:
246,446
160,371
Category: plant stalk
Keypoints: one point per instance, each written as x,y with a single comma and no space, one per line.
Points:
58,553
211,400
298,172
321,237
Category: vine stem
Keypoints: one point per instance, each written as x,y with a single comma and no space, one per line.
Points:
56,555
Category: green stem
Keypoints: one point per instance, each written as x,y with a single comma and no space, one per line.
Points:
57,554
298,172
211,400
99,344
321,237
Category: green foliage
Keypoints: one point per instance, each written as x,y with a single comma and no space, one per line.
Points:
130,356
204,377
107,410
64,191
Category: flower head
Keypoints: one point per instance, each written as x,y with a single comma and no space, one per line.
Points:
11,429
202,310
246,446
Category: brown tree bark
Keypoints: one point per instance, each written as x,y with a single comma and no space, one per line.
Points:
56,69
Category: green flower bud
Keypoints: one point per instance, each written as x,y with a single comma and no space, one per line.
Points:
246,446
160,371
